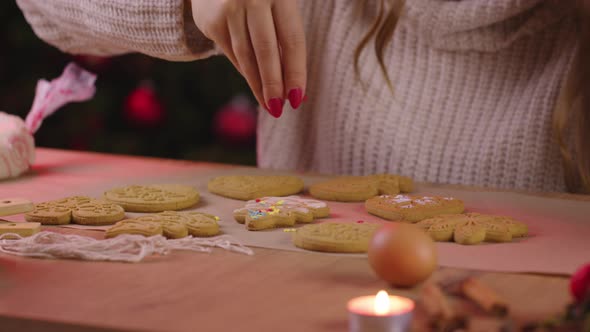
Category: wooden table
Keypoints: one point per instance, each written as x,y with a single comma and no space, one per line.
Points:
271,291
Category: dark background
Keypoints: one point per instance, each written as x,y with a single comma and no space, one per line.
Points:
200,110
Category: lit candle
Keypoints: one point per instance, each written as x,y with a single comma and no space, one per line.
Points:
381,313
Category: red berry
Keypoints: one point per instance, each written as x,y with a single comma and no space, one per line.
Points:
580,283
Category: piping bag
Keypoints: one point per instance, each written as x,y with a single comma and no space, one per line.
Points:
17,145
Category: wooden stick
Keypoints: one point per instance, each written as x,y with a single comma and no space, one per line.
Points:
484,296
10,206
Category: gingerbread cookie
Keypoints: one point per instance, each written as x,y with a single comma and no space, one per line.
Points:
473,228
271,212
171,224
131,226
77,209
202,224
247,187
360,188
153,198
412,208
97,212
335,237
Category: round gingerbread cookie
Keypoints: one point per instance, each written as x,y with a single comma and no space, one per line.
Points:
360,188
153,198
97,212
247,187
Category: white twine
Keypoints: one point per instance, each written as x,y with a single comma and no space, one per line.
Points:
123,248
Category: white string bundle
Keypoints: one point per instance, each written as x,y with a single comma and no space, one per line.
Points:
123,248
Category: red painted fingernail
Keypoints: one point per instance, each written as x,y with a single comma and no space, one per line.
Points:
295,97
275,107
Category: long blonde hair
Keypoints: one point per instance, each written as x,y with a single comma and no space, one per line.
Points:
571,118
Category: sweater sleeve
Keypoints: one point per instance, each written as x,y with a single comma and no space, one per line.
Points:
159,28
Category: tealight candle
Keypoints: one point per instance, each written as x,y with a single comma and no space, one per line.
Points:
380,313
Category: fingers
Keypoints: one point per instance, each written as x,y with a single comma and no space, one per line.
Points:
264,40
293,52
244,53
266,49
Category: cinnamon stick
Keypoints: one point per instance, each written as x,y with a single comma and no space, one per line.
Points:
441,315
485,297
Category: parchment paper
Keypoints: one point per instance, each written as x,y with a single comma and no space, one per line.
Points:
560,228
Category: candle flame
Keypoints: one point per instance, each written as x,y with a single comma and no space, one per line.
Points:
382,303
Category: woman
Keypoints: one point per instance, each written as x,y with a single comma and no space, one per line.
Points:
466,92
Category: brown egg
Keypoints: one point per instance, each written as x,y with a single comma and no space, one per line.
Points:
402,254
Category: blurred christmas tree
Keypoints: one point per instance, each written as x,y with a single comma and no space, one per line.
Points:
143,106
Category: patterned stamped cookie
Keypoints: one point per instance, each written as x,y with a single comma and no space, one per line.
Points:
49,213
271,212
131,226
97,212
153,198
473,228
172,224
412,208
77,209
360,188
202,224
247,187
335,237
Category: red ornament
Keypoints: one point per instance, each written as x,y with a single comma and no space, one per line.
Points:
143,107
580,283
235,123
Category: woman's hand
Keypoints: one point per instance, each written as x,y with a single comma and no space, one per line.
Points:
264,40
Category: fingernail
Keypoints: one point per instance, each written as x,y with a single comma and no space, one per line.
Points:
275,107
295,97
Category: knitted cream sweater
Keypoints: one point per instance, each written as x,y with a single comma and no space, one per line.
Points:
475,84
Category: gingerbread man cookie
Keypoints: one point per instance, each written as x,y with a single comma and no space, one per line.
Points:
271,212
